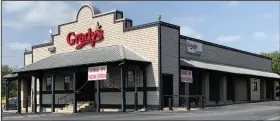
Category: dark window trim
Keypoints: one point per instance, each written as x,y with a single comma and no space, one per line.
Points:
126,77
65,83
48,89
111,74
255,86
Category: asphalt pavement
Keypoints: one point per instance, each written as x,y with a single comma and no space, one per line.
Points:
249,111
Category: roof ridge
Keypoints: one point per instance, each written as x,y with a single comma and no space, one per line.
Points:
136,53
122,52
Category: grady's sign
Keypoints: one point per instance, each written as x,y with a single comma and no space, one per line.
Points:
82,39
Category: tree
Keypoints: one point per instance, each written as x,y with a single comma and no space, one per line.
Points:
275,60
275,66
13,85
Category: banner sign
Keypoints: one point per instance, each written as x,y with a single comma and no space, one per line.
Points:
194,47
97,73
186,76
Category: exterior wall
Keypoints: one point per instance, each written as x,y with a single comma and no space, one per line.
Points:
170,57
224,56
255,95
114,34
205,86
223,88
240,89
59,82
27,59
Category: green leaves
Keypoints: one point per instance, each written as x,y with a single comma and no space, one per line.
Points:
275,60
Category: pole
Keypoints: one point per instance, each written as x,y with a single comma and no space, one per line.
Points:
19,96
98,96
74,94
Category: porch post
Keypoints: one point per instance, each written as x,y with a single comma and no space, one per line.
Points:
53,93
7,94
98,96
40,92
19,96
123,89
144,87
248,89
35,95
74,94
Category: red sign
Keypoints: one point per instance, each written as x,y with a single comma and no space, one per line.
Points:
84,38
97,73
186,76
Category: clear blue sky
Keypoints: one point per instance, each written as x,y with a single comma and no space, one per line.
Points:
250,26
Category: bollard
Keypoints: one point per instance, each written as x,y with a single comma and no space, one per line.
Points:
188,104
170,104
200,101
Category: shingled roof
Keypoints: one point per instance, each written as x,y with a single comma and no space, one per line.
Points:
107,54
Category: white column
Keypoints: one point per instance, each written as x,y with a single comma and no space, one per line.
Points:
223,88
205,86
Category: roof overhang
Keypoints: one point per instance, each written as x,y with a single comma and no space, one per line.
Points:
99,55
227,68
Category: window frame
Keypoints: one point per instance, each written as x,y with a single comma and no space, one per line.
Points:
110,79
126,79
255,86
50,86
64,79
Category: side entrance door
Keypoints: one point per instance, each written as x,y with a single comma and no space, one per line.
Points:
167,88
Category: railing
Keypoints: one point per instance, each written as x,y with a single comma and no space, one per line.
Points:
72,93
58,100
199,100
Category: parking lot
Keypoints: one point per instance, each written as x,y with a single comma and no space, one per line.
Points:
253,111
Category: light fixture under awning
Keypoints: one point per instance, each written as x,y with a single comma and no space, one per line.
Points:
226,68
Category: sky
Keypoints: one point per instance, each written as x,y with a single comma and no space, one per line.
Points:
251,26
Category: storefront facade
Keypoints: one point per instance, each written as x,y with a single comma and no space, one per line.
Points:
143,62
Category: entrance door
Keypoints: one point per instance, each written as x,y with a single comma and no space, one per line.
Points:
214,87
86,88
167,87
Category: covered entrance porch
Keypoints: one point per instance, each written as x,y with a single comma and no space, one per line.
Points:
61,81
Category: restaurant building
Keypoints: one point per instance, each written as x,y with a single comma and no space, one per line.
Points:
141,63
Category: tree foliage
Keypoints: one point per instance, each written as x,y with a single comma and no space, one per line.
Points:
13,85
275,60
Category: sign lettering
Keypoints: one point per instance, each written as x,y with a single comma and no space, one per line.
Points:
186,76
97,73
85,38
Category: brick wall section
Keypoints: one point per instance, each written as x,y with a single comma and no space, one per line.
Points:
169,57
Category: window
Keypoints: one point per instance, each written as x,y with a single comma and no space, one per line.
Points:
130,79
106,83
66,82
255,86
49,84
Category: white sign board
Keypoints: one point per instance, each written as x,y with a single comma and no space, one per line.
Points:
194,47
97,73
186,76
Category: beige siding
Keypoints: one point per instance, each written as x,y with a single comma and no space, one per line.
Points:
28,59
136,40
41,53
142,41
170,56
